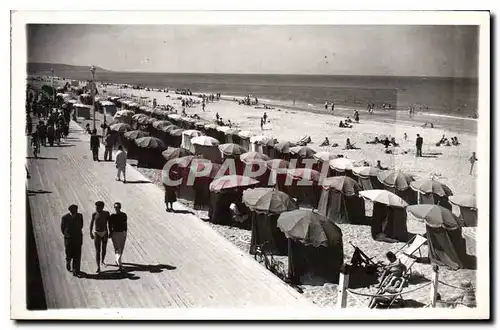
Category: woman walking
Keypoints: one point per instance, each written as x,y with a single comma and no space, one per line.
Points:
170,197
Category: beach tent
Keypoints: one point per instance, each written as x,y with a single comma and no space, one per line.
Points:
129,142
314,245
224,191
388,222
208,148
245,139
342,166
266,204
340,202
303,156
108,107
186,139
301,184
82,110
465,207
432,192
367,177
446,245
398,182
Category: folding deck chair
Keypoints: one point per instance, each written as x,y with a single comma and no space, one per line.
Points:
409,249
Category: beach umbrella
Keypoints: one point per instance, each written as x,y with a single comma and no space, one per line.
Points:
324,156
210,126
464,201
384,197
261,139
176,131
161,123
304,152
147,120
132,135
169,128
283,147
250,156
120,127
174,116
310,228
395,179
268,200
232,131
342,164
303,174
192,133
231,149
124,113
207,141
344,184
202,165
278,165
223,129
365,171
172,153
245,134
136,117
231,182
150,142
435,216
427,186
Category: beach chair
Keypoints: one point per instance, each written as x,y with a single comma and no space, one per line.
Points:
409,249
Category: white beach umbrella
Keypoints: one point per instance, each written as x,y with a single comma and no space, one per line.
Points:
174,116
324,156
245,134
262,139
342,164
205,141
192,133
383,196
223,129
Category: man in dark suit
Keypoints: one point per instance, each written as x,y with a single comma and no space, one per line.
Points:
94,145
71,228
419,143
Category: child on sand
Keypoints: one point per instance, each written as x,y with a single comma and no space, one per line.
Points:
472,161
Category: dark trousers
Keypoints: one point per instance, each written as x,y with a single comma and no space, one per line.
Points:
419,151
95,153
73,249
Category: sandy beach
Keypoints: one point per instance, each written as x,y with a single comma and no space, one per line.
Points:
447,164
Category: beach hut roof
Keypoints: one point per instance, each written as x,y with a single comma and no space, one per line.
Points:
222,129
210,126
174,116
106,103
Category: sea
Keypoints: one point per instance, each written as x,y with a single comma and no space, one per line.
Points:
437,97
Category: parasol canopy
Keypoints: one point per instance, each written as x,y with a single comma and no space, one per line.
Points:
304,152
278,165
120,127
303,174
395,179
384,197
231,182
261,139
250,156
150,142
245,134
192,133
283,147
202,165
344,184
124,113
268,200
365,171
310,228
186,161
341,164
464,201
132,135
159,124
172,153
435,216
137,116
207,141
427,186
324,156
232,149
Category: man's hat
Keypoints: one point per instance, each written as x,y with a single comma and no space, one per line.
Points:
73,207
99,203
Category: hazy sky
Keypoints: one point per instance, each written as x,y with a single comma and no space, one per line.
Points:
450,51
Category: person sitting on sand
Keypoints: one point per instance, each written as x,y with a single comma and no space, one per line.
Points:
341,124
386,142
380,167
217,116
348,120
393,141
325,143
348,145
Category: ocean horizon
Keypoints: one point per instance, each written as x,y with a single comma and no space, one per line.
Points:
442,95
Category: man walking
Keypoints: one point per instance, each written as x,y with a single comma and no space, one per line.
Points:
472,161
108,151
121,164
419,143
94,145
100,234
71,228
118,232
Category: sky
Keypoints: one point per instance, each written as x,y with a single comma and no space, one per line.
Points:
442,51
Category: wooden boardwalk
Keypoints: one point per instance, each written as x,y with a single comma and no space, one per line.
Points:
171,259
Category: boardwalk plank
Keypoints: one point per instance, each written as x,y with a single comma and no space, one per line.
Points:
209,270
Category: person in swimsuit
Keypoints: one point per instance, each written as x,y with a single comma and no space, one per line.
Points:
100,233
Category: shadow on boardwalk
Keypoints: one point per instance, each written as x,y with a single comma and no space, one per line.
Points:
128,271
